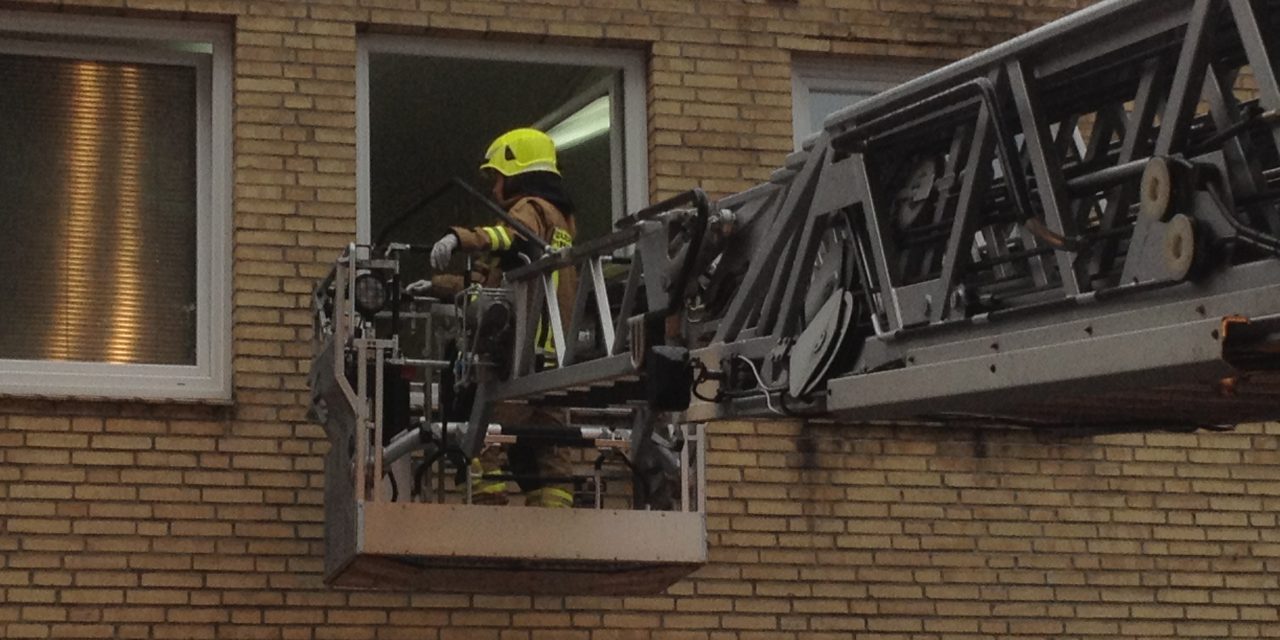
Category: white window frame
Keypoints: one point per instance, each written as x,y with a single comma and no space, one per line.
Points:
629,146
209,379
846,75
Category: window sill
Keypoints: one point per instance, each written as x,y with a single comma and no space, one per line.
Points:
120,383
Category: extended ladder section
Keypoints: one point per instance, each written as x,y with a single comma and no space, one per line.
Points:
1077,230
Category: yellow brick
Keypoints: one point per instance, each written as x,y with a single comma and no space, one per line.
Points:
40,423
92,596
38,525
218,511
121,442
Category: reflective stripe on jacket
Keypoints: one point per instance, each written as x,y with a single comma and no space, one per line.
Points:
543,219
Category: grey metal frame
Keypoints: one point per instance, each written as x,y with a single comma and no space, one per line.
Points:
1062,247
1077,229
1034,155
375,538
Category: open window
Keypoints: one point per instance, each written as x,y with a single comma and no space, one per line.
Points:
114,208
429,109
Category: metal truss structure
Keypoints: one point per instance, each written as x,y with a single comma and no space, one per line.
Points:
1078,230
1076,227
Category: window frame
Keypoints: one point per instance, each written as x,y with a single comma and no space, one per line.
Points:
843,75
629,147
209,379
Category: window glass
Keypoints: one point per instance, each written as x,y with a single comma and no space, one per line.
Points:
824,103
115,207
823,87
97,211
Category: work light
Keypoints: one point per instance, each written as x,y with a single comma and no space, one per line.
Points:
371,294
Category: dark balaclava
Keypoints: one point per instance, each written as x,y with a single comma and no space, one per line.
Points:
538,184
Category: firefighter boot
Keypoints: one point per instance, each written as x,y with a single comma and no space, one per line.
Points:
553,462
487,485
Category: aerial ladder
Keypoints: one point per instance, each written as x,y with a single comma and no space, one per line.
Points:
1074,231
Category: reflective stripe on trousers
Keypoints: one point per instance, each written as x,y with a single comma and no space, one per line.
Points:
551,497
485,489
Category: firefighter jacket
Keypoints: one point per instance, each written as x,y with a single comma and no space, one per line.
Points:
499,248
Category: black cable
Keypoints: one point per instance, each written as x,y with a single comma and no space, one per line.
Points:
1253,115
489,204
418,476
1249,235
412,210
714,400
451,453
703,374
795,414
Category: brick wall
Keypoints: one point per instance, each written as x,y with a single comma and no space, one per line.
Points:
152,521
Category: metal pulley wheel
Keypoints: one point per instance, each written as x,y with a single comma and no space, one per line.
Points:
832,269
816,349
1158,189
1179,247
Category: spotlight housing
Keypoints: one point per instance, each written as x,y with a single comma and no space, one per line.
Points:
371,294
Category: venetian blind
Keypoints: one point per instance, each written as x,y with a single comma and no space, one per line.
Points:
97,211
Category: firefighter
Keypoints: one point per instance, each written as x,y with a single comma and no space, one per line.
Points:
521,167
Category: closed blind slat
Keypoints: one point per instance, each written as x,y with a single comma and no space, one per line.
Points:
97,211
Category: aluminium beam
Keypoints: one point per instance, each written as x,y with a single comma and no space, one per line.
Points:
1179,341
1063,35
559,379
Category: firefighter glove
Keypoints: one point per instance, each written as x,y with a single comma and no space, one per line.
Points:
419,288
443,250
